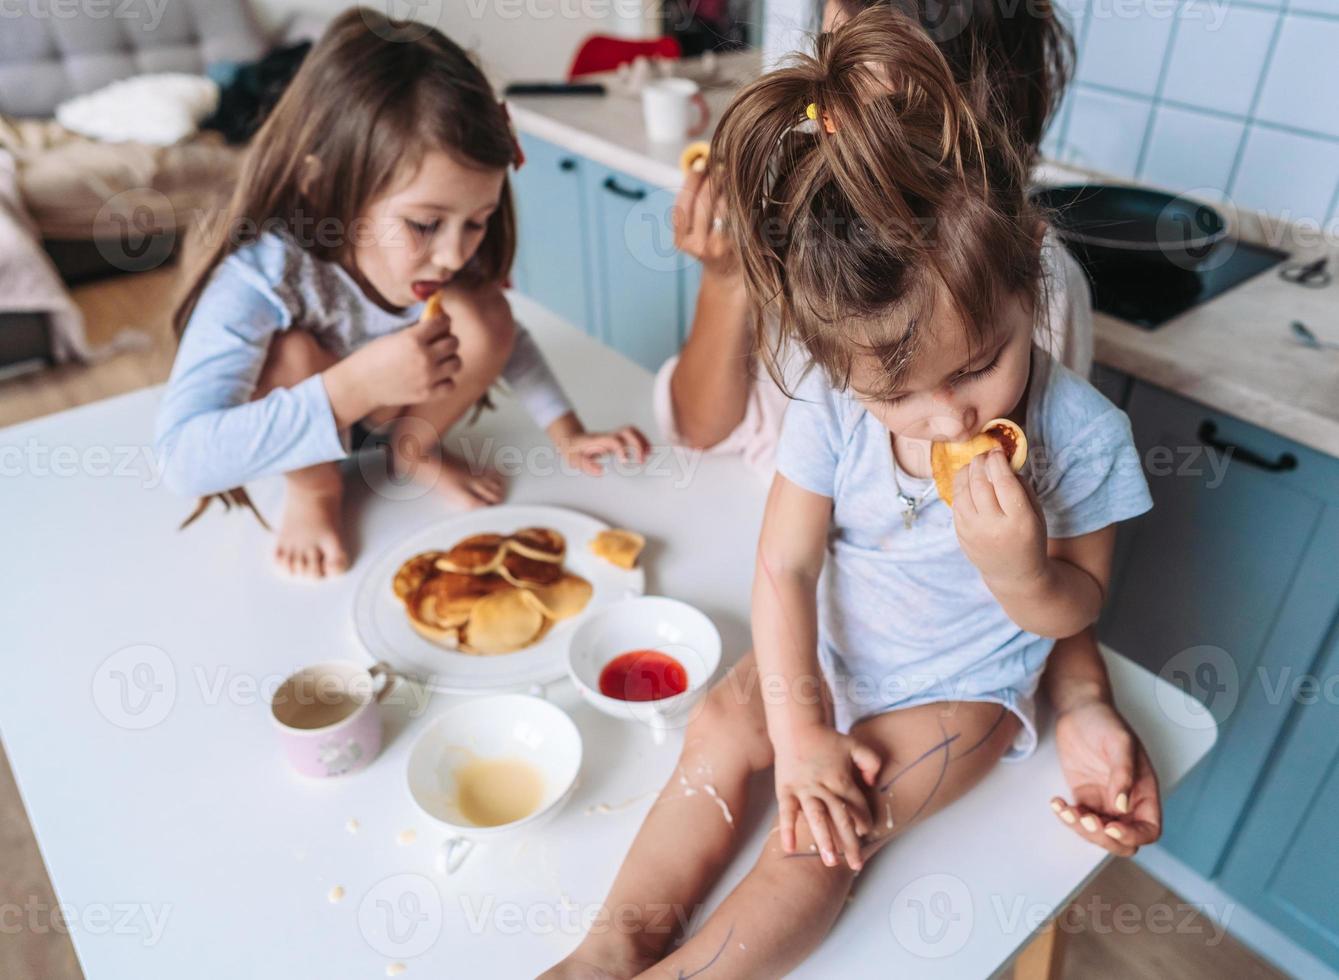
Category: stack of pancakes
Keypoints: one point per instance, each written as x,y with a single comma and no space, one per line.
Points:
491,593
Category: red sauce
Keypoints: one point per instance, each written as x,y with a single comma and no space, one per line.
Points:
1005,437
643,675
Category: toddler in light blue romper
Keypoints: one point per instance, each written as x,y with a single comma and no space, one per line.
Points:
904,618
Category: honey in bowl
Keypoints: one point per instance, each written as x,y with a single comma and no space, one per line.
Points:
492,792
643,675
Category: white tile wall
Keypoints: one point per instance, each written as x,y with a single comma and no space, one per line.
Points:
1287,173
1215,140
1117,29
1107,130
1218,65
1302,88
1235,99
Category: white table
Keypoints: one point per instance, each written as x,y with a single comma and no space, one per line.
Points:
185,848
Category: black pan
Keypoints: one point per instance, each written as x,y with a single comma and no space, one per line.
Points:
1113,224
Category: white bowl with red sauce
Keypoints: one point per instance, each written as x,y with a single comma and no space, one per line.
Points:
647,658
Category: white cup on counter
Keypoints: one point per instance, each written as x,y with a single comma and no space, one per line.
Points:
669,106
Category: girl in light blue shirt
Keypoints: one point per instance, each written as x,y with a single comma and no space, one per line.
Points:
898,641
378,181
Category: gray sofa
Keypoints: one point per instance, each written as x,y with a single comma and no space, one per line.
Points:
87,198
50,52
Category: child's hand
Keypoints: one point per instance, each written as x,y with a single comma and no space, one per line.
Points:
586,450
1117,804
999,524
410,366
816,776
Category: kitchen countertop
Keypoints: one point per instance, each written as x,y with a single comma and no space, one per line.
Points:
1234,353
180,844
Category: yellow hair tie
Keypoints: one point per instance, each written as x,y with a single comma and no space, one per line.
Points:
811,112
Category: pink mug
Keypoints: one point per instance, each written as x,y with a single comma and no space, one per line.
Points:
328,717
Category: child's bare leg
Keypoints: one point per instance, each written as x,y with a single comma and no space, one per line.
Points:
481,320
687,838
786,905
310,542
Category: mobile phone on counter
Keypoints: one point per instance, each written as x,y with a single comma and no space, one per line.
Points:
555,88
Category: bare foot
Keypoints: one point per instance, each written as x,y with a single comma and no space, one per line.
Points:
583,964
452,477
310,541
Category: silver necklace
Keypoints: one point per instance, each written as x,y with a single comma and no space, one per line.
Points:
910,505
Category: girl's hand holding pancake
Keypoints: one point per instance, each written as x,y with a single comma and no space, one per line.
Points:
408,367
999,523
816,776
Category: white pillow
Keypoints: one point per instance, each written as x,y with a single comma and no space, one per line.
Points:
158,109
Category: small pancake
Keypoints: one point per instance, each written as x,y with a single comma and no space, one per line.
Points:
563,599
527,572
448,637
414,573
478,554
618,547
501,623
538,543
448,598
463,645
694,157
1011,439
946,458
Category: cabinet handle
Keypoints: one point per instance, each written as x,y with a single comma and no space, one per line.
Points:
1209,436
566,164
631,193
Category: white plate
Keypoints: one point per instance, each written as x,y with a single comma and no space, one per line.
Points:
384,629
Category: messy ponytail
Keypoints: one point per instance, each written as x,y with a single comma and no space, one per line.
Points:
898,193
1025,50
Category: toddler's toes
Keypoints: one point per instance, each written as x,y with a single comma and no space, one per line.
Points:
334,559
336,563
309,544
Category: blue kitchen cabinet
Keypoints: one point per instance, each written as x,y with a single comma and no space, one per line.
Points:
1226,586
1284,862
596,246
638,271
553,263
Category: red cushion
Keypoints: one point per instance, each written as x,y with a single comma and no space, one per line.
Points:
601,53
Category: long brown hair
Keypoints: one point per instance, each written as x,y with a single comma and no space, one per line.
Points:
372,97
854,224
1026,50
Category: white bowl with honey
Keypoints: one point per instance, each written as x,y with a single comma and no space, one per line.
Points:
492,766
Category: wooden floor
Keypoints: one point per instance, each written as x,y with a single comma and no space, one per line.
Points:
140,302
1100,941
